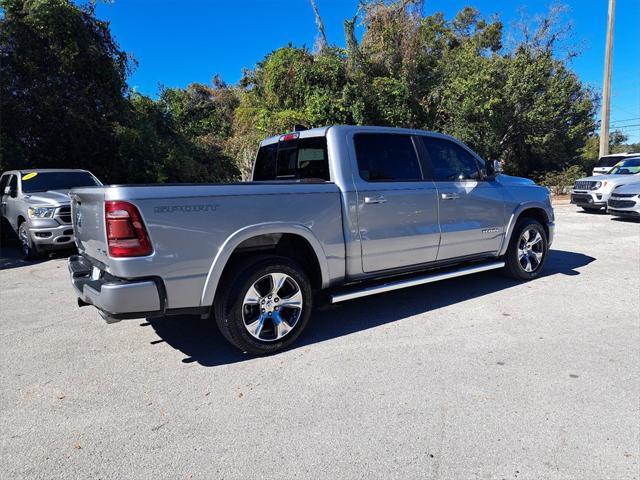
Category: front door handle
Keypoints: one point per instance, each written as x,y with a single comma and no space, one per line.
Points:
374,200
450,196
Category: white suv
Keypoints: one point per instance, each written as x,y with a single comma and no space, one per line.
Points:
592,193
606,163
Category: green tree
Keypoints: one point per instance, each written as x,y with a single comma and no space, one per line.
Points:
62,86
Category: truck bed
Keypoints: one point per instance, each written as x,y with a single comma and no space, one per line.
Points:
188,225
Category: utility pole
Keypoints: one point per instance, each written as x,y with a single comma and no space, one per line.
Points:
606,84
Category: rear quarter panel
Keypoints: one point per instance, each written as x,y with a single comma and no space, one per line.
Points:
189,225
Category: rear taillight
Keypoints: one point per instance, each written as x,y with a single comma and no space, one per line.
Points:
126,233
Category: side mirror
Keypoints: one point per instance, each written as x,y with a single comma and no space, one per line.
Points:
493,168
10,191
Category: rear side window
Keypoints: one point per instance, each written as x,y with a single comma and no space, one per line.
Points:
609,161
298,159
450,162
386,157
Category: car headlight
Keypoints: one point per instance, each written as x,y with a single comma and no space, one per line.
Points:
596,186
41,212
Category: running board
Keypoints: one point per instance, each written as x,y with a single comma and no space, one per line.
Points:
412,282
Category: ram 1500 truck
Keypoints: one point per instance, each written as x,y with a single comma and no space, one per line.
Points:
350,211
36,207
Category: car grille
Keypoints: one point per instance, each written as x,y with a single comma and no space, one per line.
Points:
621,203
581,198
623,195
64,214
584,185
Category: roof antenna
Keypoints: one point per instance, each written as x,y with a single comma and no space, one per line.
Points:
299,127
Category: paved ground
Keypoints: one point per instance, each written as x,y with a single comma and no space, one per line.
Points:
471,378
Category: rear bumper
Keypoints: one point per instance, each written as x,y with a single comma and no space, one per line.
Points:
115,297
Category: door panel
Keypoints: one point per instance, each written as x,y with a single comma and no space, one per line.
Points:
397,209
471,208
401,229
471,218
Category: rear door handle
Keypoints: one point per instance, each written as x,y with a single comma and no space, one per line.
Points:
450,196
374,200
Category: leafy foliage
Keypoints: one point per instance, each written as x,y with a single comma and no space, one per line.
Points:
560,181
63,86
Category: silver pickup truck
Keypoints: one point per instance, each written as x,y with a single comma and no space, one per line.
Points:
36,207
349,211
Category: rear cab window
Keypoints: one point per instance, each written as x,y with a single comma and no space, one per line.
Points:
294,159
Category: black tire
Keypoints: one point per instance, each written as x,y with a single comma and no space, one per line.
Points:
27,247
232,314
515,266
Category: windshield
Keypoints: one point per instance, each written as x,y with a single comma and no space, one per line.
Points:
43,181
626,167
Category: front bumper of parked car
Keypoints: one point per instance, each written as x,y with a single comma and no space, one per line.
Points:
585,198
624,206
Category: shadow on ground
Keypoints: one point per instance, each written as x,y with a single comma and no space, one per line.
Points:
201,342
11,257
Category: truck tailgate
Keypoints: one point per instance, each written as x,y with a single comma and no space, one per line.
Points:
87,214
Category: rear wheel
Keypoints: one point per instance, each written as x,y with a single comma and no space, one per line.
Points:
27,247
527,250
264,304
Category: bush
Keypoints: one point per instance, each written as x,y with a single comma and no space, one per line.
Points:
560,181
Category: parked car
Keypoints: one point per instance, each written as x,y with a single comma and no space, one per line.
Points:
349,211
625,201
592,193
36,207
607,162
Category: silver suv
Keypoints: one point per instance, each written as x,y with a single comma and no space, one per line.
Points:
35,206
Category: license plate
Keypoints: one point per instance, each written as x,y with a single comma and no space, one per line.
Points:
95,273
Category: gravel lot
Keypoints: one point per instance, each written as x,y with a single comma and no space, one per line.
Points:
478,377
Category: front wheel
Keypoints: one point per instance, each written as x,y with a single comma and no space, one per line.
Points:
527,250
264,305
27,247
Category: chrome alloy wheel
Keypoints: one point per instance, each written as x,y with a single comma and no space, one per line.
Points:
272,306
530,250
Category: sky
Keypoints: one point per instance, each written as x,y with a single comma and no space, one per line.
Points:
177,42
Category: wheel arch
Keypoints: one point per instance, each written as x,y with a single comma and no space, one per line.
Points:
537,211
261,238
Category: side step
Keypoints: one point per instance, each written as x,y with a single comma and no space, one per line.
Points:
412,282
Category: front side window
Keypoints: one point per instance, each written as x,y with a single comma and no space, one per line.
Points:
4,180
449,161
13,182
384,157
298,159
